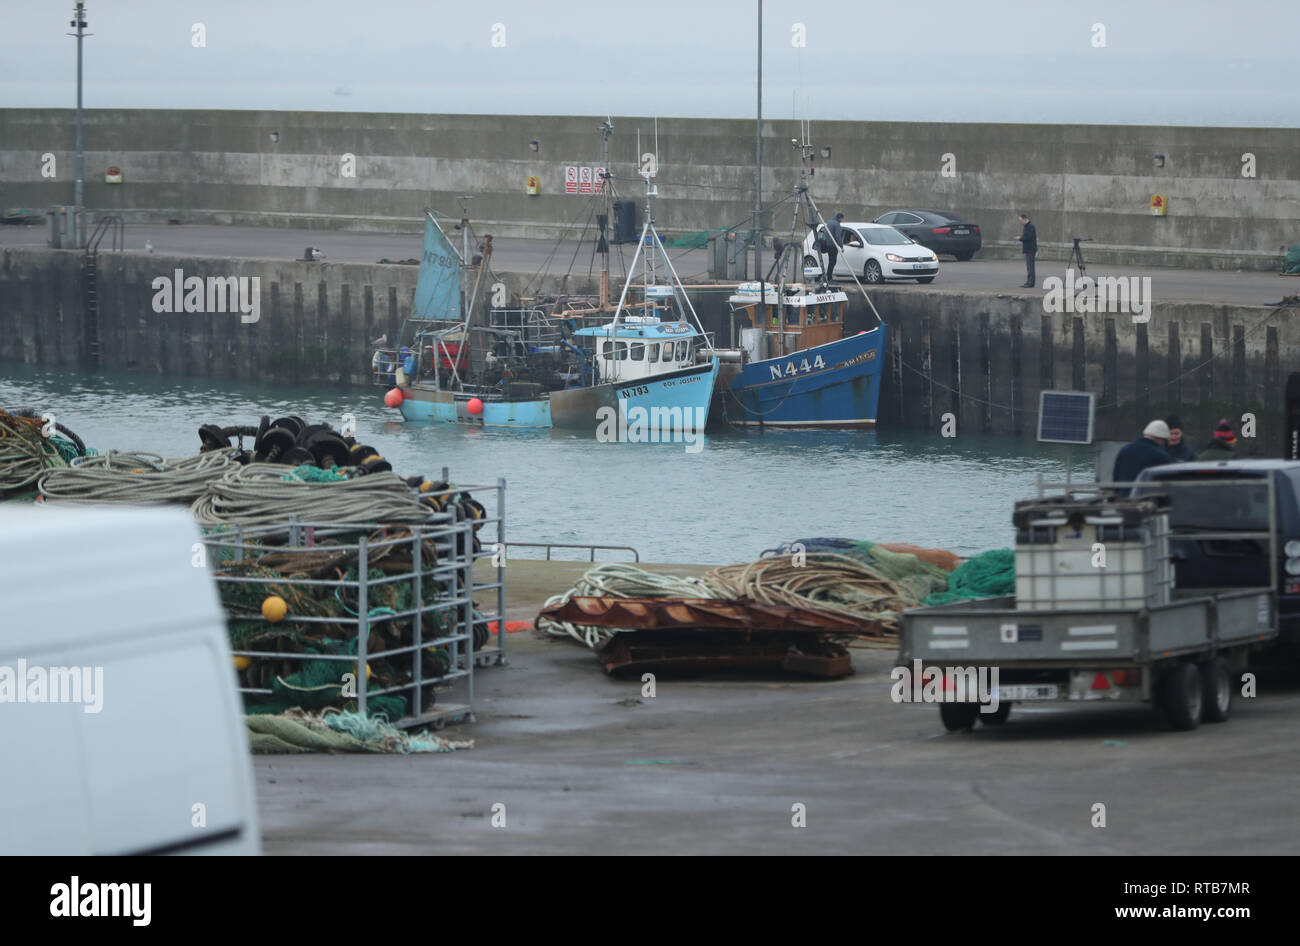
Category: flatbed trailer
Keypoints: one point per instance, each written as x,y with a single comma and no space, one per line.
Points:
1185,655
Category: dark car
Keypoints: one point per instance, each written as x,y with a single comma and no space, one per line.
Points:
1236,563
941,232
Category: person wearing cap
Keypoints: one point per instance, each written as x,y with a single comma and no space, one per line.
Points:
1222,444
1178,449
1148,450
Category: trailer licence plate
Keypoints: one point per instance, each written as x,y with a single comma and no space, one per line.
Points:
1043,691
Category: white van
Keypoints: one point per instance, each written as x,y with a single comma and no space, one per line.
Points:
121,726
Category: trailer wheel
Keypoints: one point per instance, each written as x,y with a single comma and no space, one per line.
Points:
958,717
1217,688
998,716
1182,696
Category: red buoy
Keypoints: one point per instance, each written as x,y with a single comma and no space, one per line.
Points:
394,397
475,406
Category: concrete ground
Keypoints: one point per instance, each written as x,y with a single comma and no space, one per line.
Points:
584,765
530,256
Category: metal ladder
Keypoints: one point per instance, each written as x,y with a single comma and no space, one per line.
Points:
90,279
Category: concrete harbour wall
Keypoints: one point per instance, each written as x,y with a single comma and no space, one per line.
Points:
291,169
981,356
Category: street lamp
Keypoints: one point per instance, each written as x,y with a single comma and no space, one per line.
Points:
78,22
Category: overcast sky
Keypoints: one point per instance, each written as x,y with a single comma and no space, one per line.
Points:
1180,62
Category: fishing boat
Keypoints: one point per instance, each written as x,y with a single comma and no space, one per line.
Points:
797,367
453,364
649,369
652,367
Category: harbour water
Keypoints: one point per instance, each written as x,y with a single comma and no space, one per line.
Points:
738,495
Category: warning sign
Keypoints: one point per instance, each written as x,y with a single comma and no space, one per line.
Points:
1158,205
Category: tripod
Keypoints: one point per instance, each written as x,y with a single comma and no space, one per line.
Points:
1076,255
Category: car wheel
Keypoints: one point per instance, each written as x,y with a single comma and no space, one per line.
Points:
924,280
810,261
963,257
872,273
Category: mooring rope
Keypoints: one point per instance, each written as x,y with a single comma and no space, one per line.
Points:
266,493
137,478
822,581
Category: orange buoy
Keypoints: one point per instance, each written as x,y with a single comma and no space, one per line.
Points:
274,609
475,406
393,398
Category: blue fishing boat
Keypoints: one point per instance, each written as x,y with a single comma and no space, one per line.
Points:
456,364
797,368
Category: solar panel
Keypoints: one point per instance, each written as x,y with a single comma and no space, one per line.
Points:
1065,417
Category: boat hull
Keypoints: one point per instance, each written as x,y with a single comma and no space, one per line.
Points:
687,391
836,384
428,404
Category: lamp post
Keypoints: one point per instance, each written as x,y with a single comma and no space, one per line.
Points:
79,22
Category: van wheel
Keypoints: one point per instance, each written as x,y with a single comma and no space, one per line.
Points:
998,716
872,273
1216,687
958,717
1182,696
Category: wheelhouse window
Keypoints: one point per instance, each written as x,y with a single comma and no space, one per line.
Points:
683,349
652,352
638,351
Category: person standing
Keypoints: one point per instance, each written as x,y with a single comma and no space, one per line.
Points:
1148,450
1029,246
1178,448
1222,444
834,244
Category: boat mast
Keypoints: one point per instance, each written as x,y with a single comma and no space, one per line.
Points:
606,129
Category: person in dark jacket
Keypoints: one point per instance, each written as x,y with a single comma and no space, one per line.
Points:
1222,444
833,244
1029,246
1148,450
1178,449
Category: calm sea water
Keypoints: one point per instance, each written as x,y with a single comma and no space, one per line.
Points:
739,495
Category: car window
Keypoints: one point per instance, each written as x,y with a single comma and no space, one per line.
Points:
886,236
887,218
1212,508
851,237
906,219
